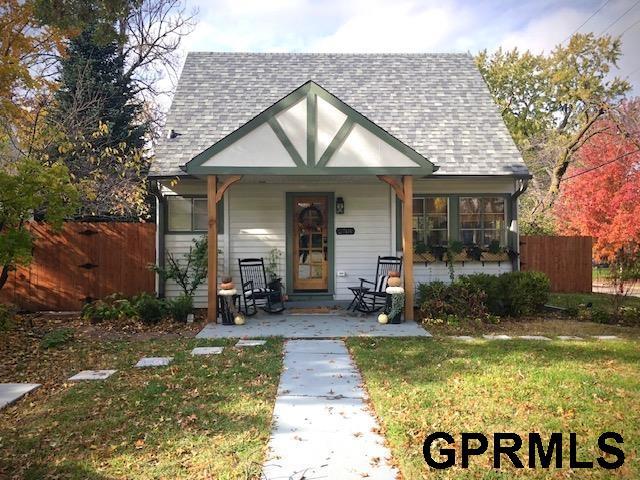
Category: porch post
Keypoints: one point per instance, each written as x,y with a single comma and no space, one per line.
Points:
407,245
212,283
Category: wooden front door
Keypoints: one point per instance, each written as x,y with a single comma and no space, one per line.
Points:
310,247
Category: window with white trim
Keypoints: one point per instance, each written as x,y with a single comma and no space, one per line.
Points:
482,220
189,214
431,220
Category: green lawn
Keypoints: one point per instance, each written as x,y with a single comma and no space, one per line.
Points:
422,386
598,300
202,417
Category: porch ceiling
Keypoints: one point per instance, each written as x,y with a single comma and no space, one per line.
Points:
311,133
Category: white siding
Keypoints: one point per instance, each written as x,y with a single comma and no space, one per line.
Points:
257,224
440,271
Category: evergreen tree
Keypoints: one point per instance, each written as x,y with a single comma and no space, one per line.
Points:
94,90
98,113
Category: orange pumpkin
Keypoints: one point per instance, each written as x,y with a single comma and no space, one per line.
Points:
394,274
227,286
394,282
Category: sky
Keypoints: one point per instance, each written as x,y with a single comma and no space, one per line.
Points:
411,26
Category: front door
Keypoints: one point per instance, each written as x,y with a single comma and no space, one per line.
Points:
310,247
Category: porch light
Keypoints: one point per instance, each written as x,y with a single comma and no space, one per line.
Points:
339,205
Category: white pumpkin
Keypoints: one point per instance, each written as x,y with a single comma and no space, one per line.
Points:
238,320
383,318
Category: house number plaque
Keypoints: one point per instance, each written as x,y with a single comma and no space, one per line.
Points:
345,231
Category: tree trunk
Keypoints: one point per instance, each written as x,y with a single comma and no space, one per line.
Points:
4,275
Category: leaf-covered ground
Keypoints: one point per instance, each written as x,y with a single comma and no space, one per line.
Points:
420,386
201,417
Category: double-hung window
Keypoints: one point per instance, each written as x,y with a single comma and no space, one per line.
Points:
189,214
431,220
482,220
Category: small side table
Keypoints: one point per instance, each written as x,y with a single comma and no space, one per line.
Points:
358,295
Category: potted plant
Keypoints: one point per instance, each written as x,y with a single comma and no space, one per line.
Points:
495,253
274,282
438,252
474,252
422,252
456,252
394,311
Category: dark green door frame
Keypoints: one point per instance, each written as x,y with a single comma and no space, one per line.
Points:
330,243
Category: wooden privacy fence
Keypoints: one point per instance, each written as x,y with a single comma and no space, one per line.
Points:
83,262
565,260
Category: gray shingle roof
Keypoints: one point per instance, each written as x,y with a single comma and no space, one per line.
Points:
438,104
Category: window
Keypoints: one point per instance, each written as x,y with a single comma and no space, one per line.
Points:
482,220
430,220
185,214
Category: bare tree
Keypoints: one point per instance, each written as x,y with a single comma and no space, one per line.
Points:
153,31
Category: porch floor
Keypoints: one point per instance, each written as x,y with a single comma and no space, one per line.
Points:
312,326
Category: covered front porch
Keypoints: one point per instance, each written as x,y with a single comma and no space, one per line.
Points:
305,155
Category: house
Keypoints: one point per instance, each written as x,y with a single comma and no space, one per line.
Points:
379,152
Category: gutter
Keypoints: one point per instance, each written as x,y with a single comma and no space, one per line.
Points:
521,186
160,229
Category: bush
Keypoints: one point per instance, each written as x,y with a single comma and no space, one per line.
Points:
148,308
6,317
599,315
492,286
180,307
438,300
57,338
513,293
526,292
112,307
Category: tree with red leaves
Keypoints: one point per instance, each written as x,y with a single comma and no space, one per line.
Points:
601,192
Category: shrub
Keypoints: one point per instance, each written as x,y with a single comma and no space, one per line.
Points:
512,293
180,307
148,308
526,292
492,286
112,307
440,301
6,317
599,315
57,338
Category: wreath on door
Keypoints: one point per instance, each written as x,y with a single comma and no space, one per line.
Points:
310,218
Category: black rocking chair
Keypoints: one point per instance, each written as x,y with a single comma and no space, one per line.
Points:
373,295
255,289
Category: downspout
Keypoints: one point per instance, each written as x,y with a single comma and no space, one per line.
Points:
514,231
160,240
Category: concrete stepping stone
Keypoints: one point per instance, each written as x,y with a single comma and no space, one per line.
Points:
463,338
250,343
496,337
92,375
533,337
153,362
12,392
606,337
207,351
569,337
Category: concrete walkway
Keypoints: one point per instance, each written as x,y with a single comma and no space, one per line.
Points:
322,427
312,326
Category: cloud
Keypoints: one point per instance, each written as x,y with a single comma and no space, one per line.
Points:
396,27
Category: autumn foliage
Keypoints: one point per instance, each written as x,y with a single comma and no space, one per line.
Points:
601,192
